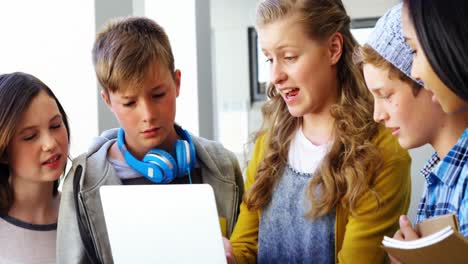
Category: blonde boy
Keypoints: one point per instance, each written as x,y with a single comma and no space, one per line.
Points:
135,67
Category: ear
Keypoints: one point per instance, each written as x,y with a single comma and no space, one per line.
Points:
177,76
335,47
106,99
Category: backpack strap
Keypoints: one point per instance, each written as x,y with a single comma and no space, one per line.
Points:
85,235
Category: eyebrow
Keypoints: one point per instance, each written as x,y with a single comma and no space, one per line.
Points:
155,88
377,89
22,130
282,47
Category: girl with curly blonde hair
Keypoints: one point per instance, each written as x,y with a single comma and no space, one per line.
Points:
325,182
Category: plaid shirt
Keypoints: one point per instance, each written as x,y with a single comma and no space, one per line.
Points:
447,185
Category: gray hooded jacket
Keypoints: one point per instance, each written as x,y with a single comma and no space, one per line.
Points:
81,231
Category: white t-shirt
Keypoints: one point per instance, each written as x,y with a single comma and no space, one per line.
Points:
22,242
304,156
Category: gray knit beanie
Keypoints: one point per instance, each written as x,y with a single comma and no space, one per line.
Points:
387,39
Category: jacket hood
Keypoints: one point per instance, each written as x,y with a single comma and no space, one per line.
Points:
99,141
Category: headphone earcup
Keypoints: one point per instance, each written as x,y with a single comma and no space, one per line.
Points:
182,151
164,161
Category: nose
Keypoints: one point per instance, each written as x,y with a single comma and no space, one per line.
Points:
49,142
148,111
278,74
380,115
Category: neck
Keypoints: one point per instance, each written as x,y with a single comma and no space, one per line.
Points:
318,128
34,203
448,134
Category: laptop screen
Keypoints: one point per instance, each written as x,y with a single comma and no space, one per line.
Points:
162,223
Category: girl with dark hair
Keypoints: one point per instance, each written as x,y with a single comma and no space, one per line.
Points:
437,32
325,183
34,142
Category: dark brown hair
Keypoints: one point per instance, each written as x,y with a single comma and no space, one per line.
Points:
17,90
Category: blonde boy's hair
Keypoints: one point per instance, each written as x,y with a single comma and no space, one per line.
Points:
127,49
367,55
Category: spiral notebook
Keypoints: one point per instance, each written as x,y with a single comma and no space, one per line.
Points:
162,223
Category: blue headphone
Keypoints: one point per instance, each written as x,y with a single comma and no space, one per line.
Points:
159,166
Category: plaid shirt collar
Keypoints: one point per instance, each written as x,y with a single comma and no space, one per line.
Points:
430,164
448,170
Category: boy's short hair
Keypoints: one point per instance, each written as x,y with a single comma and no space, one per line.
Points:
386,48
127,49
367,55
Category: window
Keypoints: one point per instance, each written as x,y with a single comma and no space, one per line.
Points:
258,68
362,27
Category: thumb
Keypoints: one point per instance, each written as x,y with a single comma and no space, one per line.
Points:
406,229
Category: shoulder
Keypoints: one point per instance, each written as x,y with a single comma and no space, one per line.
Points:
389,147
215,157
393,177
214,149
206,144
257,155
260,147
94,167
102,141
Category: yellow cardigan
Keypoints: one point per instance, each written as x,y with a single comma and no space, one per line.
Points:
357,239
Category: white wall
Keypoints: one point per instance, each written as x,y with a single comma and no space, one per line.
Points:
182,37
237,117
52,40
362,9
229,22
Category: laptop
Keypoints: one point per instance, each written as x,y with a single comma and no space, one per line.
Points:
175,223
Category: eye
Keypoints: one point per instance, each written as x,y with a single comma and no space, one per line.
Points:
385,96
290,58
29,137
56,125
413,51
269,60
158,95
128,104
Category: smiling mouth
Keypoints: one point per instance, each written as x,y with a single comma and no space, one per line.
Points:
51,160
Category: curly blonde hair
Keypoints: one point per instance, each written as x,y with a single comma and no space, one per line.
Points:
343,175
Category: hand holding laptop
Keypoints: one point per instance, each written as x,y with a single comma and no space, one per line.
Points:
228,250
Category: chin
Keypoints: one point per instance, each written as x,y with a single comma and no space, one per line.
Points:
152,143
406,144
295,112
55,177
